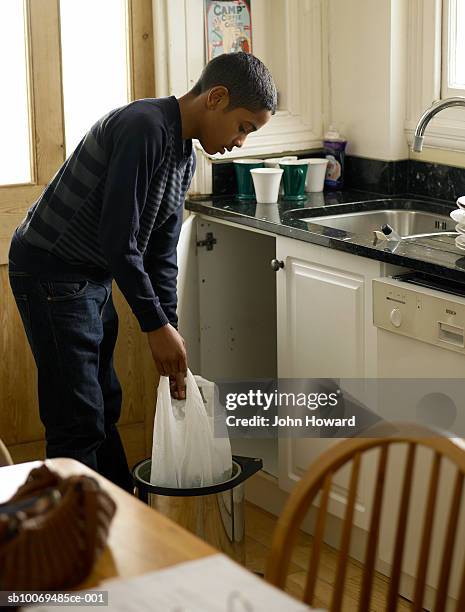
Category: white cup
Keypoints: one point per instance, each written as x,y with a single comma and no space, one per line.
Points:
273,162
316,174
266,182
248,160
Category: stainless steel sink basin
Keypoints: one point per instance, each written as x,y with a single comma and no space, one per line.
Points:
405,222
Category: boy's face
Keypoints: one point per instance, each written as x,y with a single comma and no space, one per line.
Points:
224,129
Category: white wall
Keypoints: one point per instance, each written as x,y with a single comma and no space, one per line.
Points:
368,60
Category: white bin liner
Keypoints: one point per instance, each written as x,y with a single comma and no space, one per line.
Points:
185,451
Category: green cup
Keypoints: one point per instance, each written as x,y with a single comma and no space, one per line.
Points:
242,167
294,176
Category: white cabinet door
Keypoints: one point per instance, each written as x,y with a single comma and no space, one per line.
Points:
227,300
227,310
237,290
188,291
324,331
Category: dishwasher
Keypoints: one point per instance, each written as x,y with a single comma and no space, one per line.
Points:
420,321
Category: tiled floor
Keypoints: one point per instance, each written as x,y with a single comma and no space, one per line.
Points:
259,530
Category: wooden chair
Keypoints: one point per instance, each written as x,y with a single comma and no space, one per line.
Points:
5,457
318,478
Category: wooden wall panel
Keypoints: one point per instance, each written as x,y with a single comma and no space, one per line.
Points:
27,451
133,363
131,434
14,203
19,419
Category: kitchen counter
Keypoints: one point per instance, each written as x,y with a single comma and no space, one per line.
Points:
436,255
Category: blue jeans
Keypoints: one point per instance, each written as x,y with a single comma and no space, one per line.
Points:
72,326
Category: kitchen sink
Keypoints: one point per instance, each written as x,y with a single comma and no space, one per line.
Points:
405,222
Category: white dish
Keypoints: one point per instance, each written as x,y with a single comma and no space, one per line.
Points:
460,228
460,242
461,202
458,216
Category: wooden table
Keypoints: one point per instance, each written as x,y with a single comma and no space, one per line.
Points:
140,539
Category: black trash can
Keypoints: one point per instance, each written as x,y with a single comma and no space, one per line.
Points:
214,513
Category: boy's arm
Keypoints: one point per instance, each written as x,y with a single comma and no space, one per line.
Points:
160,259
137,152
160,262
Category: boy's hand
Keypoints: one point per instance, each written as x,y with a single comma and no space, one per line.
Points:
169,353
178,386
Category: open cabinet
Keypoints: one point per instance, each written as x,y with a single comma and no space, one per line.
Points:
227,310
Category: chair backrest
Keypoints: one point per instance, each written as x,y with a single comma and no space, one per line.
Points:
318,479
5,457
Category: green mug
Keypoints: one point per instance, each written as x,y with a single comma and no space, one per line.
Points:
242,167
294,176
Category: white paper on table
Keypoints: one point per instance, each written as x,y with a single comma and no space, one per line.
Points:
210,584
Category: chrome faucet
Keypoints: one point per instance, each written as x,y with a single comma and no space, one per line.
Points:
435,108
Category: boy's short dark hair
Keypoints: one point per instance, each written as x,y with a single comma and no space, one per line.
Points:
247,79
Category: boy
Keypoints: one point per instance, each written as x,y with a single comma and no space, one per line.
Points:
114,211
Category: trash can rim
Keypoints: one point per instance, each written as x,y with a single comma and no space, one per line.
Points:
247,466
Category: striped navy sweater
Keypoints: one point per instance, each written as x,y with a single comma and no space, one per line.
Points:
116,205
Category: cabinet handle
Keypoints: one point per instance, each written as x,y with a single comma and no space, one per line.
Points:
276,264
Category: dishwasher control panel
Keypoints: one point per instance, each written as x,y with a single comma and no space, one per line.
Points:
419,312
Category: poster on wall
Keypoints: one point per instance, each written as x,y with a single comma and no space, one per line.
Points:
228,27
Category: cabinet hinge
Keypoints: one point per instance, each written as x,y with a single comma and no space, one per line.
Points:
209,241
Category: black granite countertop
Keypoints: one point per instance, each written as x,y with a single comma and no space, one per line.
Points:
431,255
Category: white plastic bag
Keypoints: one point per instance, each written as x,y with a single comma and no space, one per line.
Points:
222,459
185,453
